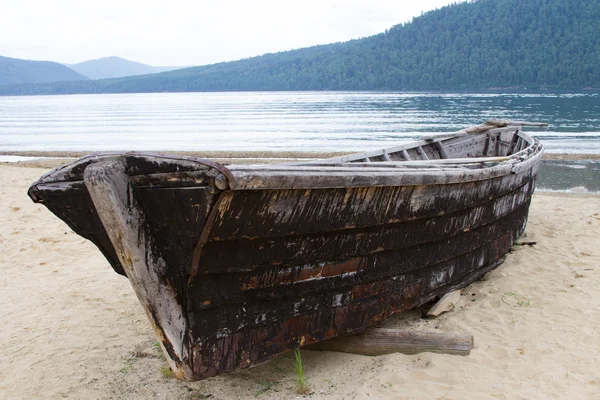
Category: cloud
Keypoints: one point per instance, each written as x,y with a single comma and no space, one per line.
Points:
185,32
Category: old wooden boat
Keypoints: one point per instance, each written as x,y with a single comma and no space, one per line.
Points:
237,264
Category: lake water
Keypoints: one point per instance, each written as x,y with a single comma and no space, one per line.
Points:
569,176
297,121
275,121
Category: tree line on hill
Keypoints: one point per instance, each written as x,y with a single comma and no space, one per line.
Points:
483,44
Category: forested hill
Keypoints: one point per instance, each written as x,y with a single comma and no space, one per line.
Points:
481,44
16,71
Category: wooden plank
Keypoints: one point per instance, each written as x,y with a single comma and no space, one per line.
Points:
239,346
447,303
108,185
341,178
425,140
343,244
400,292
531,165
251,214
381,341
139,164
225,305
177,179
438,263
379,166
422,153
442,150
501,122
73,205
518,144
467,148
467,133
175,218
488,146
405,155
386,156
224,197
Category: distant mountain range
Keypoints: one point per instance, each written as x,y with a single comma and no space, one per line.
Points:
115,67
14,71
474,45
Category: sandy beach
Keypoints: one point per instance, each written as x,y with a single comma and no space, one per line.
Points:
72,328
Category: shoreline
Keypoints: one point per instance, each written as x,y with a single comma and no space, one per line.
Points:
53,159
202,154
256,155
560,172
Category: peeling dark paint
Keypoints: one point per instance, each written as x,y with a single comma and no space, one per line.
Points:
259,272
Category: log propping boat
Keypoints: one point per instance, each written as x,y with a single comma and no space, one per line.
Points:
237,264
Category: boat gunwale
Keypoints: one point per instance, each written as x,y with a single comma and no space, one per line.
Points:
343,177
333,172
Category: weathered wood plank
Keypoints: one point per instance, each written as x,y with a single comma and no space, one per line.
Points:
437,262
443,153
184,218
447,303
226,349
503,122
519,144
139,164
248,179
378,167
251,214
464,135
179,179
265,179
108,185
473,148
342,244
269,305
381,341
422,153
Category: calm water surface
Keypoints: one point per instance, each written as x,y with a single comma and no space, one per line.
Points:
569,176
274,121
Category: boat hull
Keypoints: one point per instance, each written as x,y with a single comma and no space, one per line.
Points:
310,281
233,275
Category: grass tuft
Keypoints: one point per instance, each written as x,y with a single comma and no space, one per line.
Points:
166,371
301,383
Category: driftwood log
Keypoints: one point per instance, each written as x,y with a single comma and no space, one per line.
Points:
380,341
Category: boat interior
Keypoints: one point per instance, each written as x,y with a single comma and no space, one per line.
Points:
493,141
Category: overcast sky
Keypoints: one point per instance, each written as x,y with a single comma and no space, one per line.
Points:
189,32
